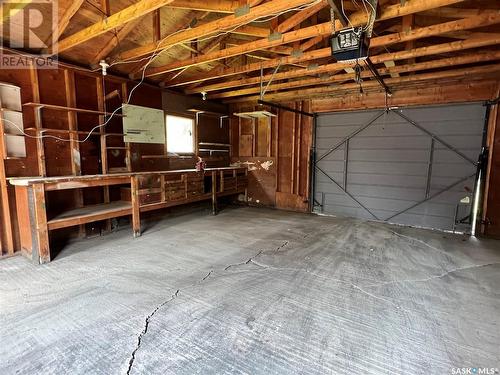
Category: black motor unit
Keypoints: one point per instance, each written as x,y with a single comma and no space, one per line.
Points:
350,45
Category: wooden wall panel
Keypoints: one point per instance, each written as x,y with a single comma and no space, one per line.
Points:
492,206
277,154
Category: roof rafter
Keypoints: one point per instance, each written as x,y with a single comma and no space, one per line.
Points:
221,25
120,18
440,63
359,18
423,32
470,73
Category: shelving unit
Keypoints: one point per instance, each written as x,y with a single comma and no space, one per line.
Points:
73,134
12,146
68,109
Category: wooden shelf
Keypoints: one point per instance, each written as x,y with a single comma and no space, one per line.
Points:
69,109
61,131
89,214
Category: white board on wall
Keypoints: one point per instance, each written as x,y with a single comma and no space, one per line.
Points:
143,125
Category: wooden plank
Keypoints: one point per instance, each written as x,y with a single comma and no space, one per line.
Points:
40,150
115,39
128,14
70,109
63,22
300,17
214,193
5,219
23,220
438,94
219,25
423,32
69,83
42,232
359,18
65,185
90,214
394,71
473,73
218,6
136,207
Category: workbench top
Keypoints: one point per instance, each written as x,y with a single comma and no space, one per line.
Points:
26,181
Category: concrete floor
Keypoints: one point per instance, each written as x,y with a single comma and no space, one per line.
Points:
255,291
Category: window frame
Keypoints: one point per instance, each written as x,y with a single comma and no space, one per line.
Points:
194,134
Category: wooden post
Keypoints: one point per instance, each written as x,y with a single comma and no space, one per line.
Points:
103,141
42,248
214,193
136,206
69,82
40,150
5,219
162,187
246,189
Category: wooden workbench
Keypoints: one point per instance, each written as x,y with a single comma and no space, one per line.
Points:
140,192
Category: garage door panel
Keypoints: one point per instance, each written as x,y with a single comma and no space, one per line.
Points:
331,166
322,179
453,127
345,119
452,170
325,144
388,164
399,129
348,211
420,142
385,155
392,168
462,142
464,112
371,179
374,191
338,132
340,199
447,156
395,205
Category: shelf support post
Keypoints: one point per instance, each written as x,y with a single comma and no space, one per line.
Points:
136,209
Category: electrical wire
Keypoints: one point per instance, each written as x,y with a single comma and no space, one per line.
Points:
151,58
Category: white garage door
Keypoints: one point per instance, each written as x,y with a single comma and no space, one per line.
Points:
413,166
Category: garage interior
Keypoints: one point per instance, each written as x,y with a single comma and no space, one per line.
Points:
250,187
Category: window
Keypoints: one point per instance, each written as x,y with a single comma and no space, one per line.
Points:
180,134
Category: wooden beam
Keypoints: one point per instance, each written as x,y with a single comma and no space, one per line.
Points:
156,25
491,70
472,42
219,6
290,37
449,12
114,40
311,43
478,57
67,16
223,24
441,94
418,52
118,19
249,30
300,16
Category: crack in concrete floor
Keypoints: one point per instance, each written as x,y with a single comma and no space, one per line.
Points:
253,260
